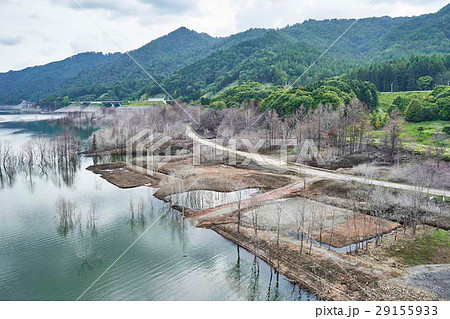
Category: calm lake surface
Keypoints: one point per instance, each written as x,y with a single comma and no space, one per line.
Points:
40,260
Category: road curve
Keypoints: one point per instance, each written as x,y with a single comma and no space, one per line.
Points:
265,160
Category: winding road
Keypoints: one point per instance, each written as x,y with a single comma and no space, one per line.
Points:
305,170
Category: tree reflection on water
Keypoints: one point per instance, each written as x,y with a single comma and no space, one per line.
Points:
56,159
253,288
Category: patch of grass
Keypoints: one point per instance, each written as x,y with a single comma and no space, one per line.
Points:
144,103
423,132
419,136
386,99
430,248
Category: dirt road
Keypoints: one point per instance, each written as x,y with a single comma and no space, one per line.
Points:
305,170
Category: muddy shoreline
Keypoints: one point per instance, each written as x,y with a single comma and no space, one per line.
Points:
339,277
329,279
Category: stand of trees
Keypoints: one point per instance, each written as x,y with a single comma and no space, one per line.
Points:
331,92
435,106
415,73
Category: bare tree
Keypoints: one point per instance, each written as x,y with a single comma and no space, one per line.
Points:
331,230
255,221
311,228
391,137
278,224
239,195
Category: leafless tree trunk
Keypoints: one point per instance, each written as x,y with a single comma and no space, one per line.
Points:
332,229
279,212
255,221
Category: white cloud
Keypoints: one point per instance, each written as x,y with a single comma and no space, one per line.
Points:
10,40
38,32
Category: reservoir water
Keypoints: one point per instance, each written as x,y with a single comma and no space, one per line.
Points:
43,257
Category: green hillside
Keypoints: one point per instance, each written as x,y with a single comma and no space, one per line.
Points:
280,56
41,81
191,64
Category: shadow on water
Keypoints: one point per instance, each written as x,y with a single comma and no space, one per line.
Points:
108,159
90,225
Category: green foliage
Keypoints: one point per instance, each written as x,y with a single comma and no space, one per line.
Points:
285,101
378,118
348,89
433,106
330,92
420,136
446,130
65,101
89,75
43,82
441,91
218,105
271,58
414,112
425,132
399,100
444,106
245,92
424,83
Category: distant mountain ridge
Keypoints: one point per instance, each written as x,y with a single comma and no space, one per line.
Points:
191,64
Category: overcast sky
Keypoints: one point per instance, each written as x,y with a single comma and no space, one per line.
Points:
41,31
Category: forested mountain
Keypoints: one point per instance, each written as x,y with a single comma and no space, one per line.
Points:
191,64
40,81
280,56
90,76
160,58
425,34
264,59
109,78
357,41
